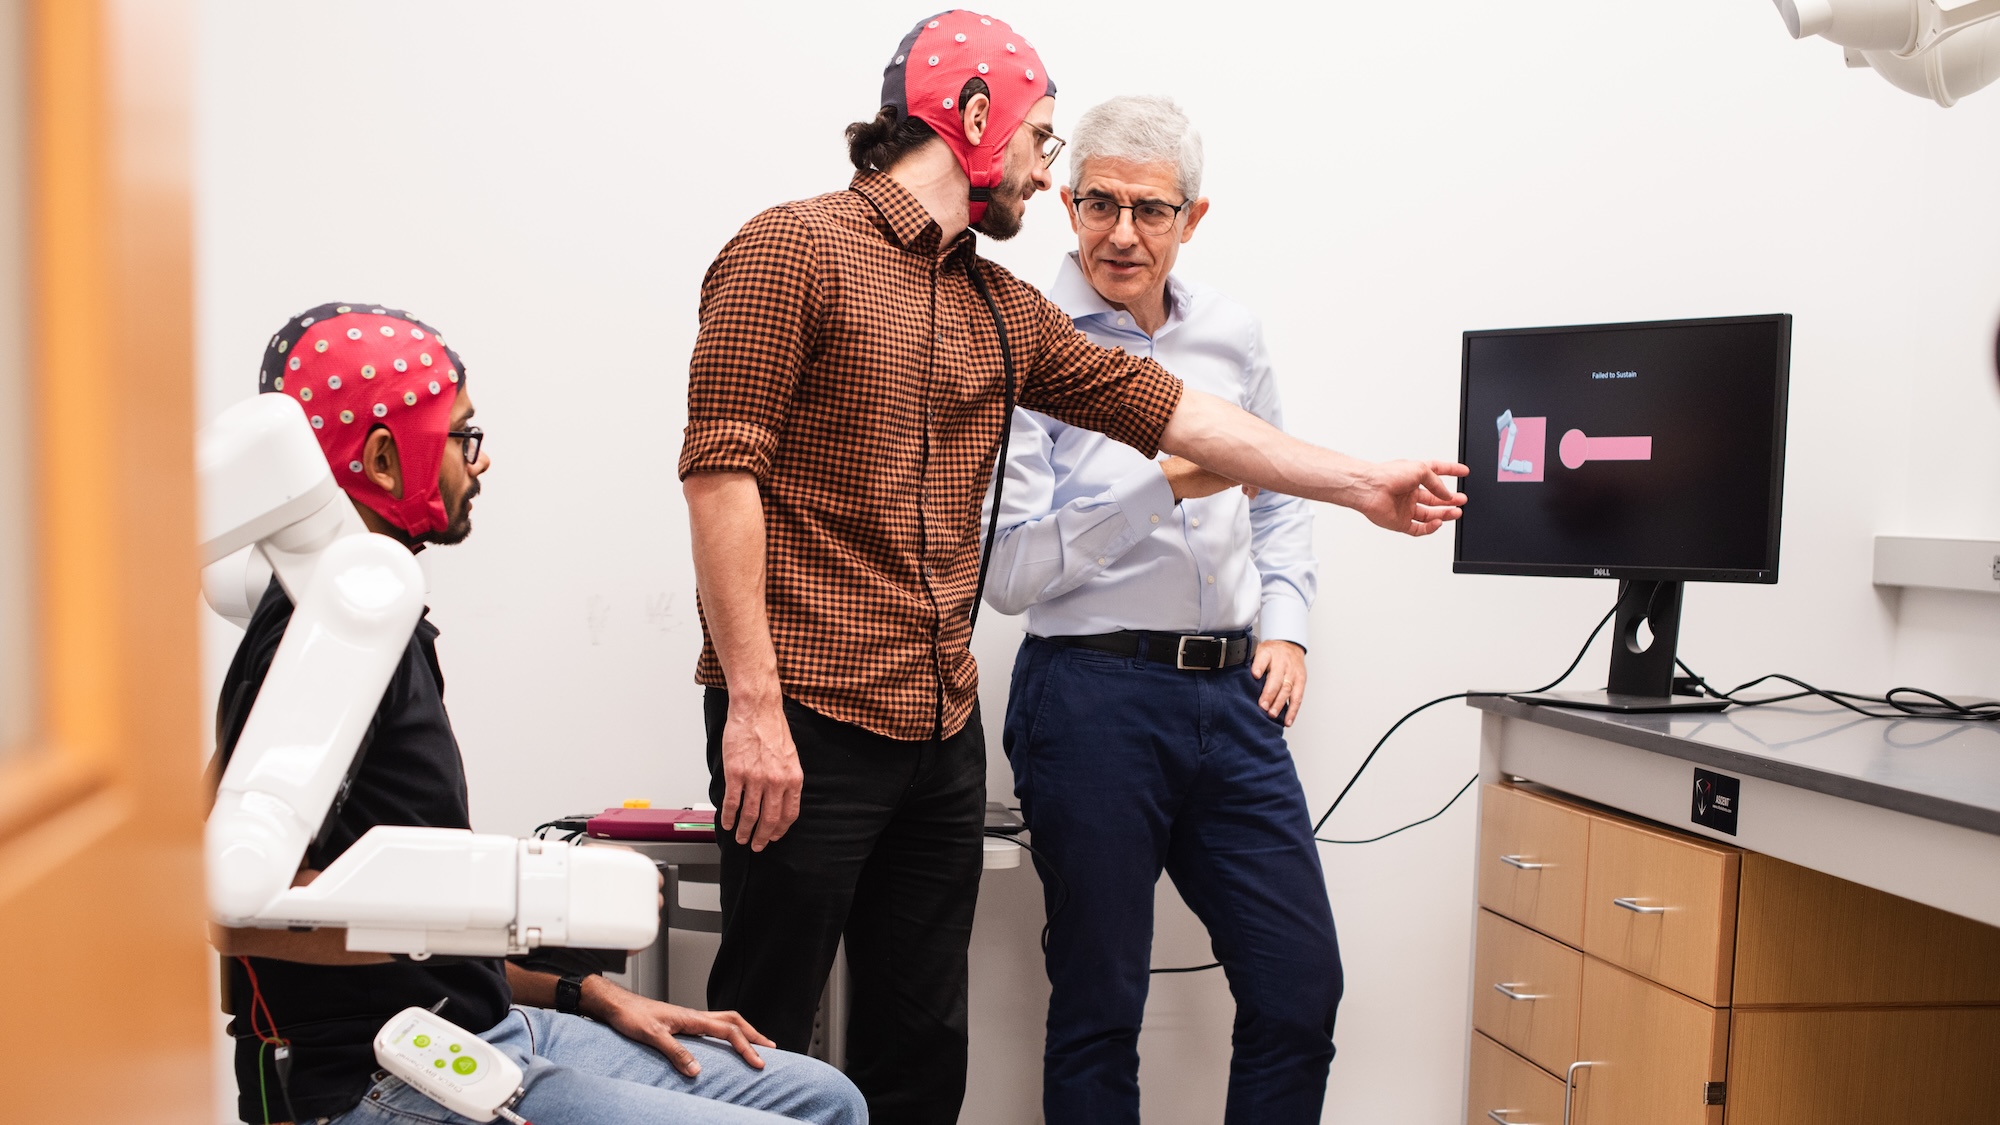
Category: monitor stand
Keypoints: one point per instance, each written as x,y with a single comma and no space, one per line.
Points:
1642,675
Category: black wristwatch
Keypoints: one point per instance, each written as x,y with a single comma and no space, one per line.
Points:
569,994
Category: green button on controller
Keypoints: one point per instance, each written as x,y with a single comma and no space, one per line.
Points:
439,1063
422,1040
455,1048
464,1064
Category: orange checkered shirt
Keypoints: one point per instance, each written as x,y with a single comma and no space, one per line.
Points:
846,361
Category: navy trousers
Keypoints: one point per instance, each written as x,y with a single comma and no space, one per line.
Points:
1124,768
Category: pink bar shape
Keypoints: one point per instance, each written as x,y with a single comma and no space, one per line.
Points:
1576,448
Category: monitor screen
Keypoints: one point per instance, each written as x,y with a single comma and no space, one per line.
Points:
1650,450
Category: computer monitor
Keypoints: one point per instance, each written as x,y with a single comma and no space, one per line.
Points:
1650,452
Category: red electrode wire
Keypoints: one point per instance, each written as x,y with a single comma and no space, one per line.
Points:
257,1003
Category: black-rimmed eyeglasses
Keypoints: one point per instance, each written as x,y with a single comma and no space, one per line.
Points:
1150,215
1049,146
471,438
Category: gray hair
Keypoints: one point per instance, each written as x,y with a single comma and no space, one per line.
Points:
1141,128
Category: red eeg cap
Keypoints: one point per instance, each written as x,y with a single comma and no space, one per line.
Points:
935,61
356,367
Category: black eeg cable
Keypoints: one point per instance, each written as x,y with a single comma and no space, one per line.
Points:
1006,436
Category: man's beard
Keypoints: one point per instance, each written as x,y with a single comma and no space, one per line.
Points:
1005,210
461,521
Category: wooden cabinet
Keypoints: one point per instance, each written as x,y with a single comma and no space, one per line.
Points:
1662,905
1805,937
1526,991
1509,1089
1654,1052
1692,983
1912,1066
1531,851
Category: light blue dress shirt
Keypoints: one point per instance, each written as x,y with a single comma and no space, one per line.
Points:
1090,538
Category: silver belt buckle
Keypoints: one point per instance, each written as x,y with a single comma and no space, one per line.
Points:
1221,654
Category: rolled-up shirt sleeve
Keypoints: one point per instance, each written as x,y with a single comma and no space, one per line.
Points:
760,305
1126,398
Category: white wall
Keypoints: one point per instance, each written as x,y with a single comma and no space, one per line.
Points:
547,182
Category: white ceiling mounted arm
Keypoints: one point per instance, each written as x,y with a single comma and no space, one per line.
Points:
1875,25
1937,49
1955,68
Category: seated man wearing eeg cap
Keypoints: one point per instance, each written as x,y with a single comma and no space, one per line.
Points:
388,402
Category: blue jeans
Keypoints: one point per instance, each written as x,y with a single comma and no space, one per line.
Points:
1125,767
580,1072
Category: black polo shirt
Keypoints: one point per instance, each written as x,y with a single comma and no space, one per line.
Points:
411,774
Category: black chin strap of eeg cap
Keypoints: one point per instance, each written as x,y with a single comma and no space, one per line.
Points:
1006,432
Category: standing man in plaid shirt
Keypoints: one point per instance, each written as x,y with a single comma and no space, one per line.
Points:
849,386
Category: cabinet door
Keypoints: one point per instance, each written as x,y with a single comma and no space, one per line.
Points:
1531,857
1655,1053
1912,1066
1509,1089
1525,991
1662,905
100,812
1806,937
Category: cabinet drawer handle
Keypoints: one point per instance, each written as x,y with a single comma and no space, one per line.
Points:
1632,904
1522,863
1569,1085
1508,988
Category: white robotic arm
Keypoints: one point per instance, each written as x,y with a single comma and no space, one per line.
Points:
1937,49
357,598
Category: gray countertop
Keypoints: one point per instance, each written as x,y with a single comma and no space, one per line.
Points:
1933,768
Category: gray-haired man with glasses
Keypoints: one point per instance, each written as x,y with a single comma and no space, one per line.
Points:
1145,724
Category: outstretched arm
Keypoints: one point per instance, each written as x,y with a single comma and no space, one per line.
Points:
1407,496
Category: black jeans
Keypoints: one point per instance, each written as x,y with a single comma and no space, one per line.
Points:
887,853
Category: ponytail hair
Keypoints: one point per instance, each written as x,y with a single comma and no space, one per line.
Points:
875,146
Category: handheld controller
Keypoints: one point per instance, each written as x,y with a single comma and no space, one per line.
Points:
450,1065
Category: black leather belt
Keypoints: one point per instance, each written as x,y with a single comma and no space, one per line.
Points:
1190,652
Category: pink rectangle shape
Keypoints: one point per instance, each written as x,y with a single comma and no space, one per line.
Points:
1619,449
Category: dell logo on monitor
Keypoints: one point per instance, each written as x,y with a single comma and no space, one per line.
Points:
1600,572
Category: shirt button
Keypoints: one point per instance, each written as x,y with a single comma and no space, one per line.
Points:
1211,579
1103,562
1121,322
940,335
1155,519
1194,521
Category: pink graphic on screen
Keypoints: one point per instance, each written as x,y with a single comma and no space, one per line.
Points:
1578,448
1523,447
